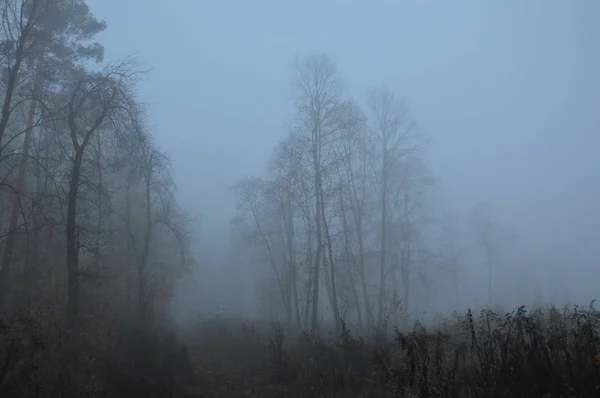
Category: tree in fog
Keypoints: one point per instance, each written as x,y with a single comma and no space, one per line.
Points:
286,166
89,227
42,42
96,102
70,138
491,237
151,217
450,252
397,164
355,152
256,219
410,222
319,102
335,178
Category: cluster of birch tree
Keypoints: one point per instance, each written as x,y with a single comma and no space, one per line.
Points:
338,221
88,219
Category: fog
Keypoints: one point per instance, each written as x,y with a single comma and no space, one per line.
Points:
507,92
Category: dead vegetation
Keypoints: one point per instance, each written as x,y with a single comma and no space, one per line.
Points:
547,353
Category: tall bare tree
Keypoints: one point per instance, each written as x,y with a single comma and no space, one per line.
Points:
156,217
40,36
97,101
392,128
319,101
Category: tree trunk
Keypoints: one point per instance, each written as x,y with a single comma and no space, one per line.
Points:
334,298
143,294
489,261
292,257
73,239
318,221
347,257
100,212
383,237
310,282
405,259
5,269
11,84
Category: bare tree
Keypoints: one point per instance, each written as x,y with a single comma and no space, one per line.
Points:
151,170
491,237
70,136
410,217
331,182
318,99
38,35
355,199
393,131
97,101
286,166
450,252
259,210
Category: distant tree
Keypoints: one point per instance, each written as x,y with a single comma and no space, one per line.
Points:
256,220
356,157
491,238
335,178
286,166
319,102
450,251
397,146
157,219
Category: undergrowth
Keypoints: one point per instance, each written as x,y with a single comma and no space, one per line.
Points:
545,353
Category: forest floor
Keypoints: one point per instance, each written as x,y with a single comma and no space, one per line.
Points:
547,353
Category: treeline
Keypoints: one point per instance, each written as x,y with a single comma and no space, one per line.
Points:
341,217
88,220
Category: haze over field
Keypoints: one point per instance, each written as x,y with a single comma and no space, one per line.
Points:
508,92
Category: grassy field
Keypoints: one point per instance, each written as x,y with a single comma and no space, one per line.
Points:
547,353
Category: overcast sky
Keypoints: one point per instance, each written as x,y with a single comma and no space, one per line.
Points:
509,92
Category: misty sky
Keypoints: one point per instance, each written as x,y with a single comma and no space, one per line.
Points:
509,92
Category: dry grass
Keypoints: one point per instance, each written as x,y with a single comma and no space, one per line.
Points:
547,353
